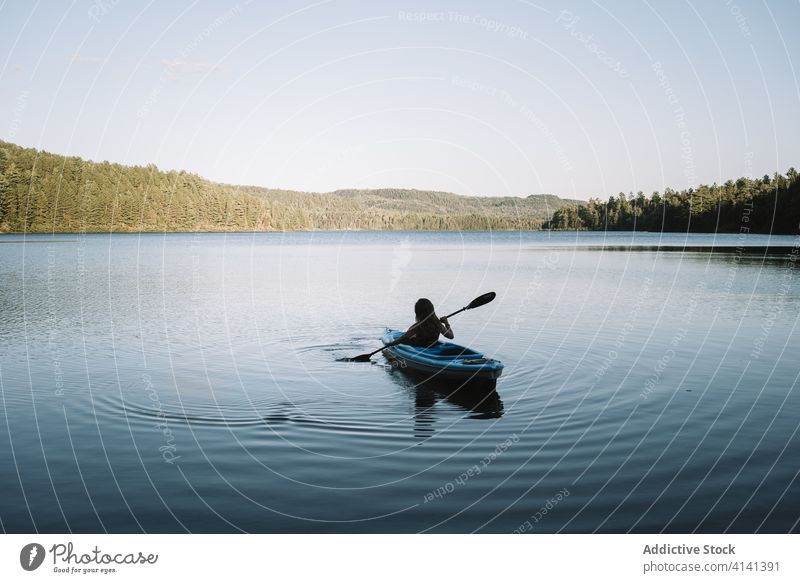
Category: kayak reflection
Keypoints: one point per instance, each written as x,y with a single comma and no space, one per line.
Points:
480,397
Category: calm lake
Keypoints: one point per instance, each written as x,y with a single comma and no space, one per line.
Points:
190,383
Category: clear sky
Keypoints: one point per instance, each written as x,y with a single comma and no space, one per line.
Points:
493,98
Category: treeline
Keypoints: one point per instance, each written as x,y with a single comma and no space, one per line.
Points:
43,192
762,205
399,209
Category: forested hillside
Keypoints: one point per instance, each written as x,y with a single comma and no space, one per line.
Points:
43,192
762,205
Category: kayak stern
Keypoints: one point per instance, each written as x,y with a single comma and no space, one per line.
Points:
444,360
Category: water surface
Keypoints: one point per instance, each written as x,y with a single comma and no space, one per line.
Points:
189,382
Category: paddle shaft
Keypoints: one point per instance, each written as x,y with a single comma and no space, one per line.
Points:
456,312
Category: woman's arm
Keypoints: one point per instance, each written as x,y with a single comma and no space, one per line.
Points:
446,329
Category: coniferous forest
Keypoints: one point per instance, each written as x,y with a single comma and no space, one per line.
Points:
44,192
763,205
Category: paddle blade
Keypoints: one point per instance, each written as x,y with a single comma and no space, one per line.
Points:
482,300
359,358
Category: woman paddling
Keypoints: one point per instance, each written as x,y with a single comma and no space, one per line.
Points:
425,331
427,328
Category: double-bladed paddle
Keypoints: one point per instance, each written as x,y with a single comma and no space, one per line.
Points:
476,303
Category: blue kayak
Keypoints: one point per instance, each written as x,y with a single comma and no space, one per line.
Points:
443,360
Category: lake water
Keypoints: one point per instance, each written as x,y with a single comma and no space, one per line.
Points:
190,382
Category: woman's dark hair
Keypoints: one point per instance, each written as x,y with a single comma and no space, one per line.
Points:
423,309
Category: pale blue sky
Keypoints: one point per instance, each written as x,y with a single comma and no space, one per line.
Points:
494,98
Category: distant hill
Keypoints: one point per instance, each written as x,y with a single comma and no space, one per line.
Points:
44,192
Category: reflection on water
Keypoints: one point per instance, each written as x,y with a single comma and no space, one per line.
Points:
171,383
478,399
